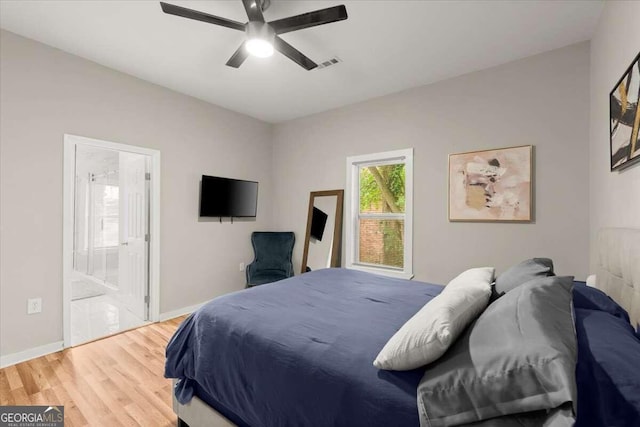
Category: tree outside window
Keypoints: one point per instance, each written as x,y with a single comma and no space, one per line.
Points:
381,217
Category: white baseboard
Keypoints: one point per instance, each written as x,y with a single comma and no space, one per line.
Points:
43,350
32,353
180,312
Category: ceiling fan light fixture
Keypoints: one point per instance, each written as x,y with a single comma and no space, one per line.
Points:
259,47
260,38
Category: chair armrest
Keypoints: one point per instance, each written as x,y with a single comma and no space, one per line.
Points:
249,272
290,272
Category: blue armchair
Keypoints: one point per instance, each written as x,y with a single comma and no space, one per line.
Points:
272,257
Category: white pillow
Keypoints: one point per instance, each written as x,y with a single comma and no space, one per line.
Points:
429,333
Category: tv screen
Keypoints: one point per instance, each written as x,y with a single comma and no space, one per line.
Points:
228,197
318,222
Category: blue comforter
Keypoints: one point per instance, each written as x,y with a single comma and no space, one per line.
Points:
299,353
608,374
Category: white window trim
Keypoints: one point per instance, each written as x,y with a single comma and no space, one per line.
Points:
352,207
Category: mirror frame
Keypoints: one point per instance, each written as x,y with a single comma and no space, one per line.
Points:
336,253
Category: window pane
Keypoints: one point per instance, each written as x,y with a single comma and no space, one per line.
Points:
106,211
381,242
110,231
382,188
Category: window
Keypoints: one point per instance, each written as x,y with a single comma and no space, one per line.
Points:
106,200
380,212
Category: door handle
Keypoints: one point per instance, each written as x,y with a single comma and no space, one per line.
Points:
124,244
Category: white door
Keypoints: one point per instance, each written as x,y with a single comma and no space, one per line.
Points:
134,226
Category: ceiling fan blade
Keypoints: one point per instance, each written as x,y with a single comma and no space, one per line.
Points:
254,11
293,54
238,57
172,9
310,19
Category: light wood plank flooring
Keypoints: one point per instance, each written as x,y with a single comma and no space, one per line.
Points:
116,381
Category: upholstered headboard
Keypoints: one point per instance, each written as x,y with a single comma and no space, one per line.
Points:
618,271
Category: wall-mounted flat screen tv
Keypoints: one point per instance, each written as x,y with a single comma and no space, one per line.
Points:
225,197
318,223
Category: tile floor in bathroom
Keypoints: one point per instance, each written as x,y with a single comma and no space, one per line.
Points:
100,316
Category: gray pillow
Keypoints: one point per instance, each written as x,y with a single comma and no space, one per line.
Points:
521,273
518,357
559,417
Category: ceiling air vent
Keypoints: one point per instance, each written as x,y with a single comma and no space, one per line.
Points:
328,63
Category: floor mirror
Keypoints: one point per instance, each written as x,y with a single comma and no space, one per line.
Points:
323,239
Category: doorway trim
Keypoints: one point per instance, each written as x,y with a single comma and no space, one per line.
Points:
70,143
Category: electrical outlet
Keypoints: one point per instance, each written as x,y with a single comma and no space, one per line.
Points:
34,305
242,266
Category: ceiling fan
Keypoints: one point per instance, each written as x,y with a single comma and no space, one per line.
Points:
263,37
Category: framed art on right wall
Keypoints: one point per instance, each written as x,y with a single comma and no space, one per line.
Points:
624,118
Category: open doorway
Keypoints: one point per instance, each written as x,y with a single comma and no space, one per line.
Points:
109,219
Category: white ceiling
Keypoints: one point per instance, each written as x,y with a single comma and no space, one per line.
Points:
386,46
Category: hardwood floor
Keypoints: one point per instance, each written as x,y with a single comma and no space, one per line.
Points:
111,382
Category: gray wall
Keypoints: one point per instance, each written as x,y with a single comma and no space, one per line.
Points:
45,93
542,100
614,196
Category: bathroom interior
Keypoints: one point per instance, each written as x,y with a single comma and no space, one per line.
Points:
100,305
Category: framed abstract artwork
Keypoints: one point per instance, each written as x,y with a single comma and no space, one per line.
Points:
491,185
624,118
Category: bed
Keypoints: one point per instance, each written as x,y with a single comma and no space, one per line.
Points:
299,353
